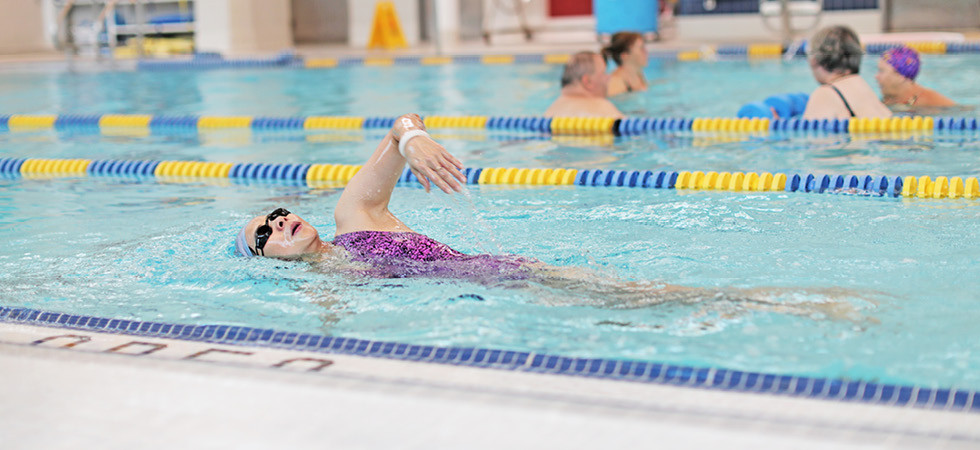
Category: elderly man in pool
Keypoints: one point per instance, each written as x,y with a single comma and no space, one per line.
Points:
371,241
584,87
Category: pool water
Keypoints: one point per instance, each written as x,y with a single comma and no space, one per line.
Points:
161,252
859,287
677,89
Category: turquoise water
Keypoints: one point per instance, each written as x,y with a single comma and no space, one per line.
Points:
870,288
160,252
678,89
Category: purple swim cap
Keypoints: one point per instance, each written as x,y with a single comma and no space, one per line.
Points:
905,61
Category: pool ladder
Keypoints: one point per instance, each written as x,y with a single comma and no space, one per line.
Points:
64,38
785,11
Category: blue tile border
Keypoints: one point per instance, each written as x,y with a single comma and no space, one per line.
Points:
698,7
956,400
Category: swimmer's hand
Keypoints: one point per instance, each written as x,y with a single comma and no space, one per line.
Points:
429,161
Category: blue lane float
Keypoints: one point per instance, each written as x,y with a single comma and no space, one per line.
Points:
278,123
216,61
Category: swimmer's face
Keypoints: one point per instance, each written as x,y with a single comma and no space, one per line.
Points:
638,53
291,236
888,78
598,82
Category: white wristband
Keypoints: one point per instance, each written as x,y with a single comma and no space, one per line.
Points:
406,137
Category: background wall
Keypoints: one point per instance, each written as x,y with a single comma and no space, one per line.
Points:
233,27
909,15
320,21
22,27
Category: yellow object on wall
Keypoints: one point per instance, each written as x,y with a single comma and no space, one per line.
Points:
386,29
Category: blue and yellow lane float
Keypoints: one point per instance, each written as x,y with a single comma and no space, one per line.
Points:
316,175
164,124
210,61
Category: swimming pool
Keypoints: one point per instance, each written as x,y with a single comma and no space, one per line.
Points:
678,88
126,248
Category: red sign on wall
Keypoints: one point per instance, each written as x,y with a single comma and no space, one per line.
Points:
569,8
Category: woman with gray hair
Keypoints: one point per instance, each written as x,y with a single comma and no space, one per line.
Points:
834,54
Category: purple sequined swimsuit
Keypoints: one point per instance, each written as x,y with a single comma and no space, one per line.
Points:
408,254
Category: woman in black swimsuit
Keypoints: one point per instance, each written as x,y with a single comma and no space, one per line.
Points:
834,54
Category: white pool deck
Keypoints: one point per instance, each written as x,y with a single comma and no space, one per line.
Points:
64,388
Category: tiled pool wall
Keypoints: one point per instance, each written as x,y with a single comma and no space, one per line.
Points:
956,400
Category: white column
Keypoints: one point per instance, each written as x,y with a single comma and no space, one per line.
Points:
447,21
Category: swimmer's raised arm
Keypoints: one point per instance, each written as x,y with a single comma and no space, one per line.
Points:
364,202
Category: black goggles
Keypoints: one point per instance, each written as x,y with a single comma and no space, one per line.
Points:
263,232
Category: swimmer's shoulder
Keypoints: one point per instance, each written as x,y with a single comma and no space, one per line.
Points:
823,103
617,85
929,97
